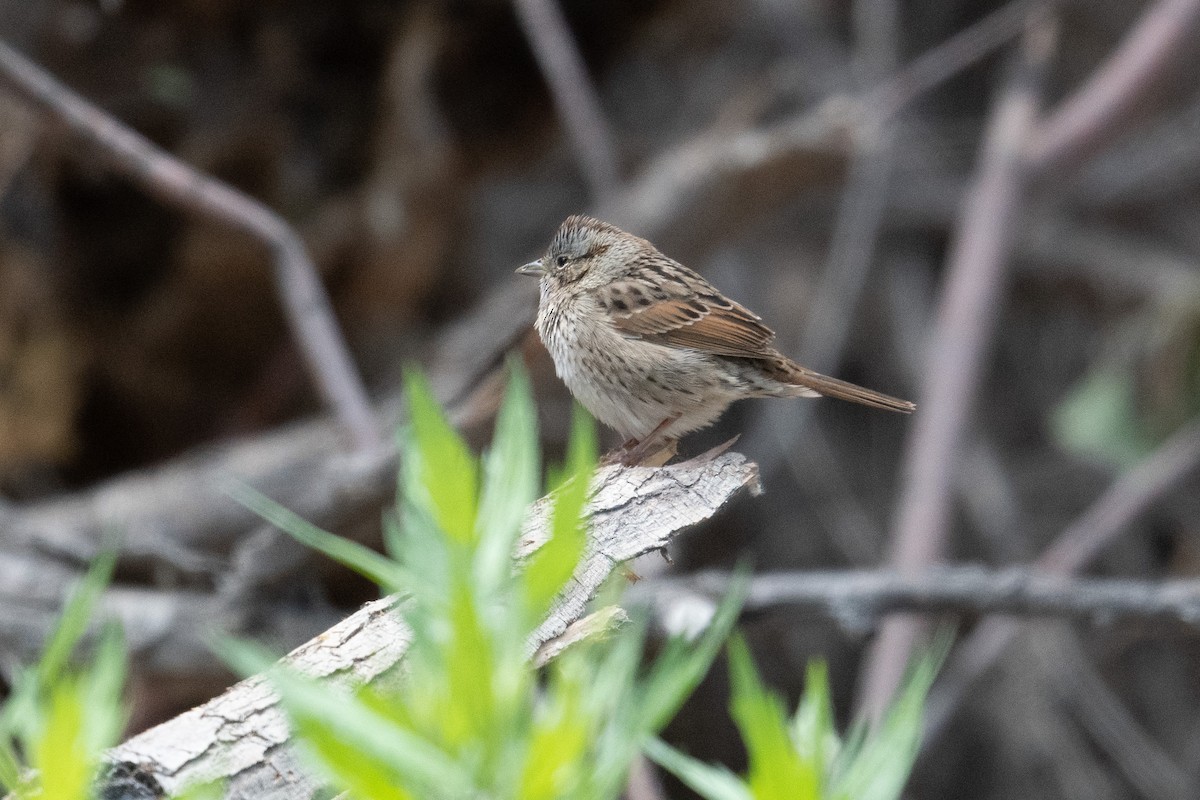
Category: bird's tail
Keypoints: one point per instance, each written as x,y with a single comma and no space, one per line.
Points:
815,382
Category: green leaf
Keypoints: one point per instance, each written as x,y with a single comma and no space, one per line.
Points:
1099,419
10,767
877,767
341,724
549,569
443,474
777,771
343,763
213,790
74,620
708,781
471,667
813,732
510,482
645,706
559,741
682,665
60,753
378,568
100,692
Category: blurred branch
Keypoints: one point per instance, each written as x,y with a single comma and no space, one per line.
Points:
644,783
1081,542
574,97
1144,763
864,198
965,324
157,172
856,597
1107,103
937,65
1132,493
242,736
677,183
176,522
863,207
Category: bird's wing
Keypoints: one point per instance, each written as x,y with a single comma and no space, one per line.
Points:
664,302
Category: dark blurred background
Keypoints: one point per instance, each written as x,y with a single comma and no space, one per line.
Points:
418,151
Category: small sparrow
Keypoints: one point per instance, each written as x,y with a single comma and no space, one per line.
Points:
652,349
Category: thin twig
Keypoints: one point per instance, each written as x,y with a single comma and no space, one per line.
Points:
678,181
1103,107
863,204
157,172
574,96
864,199
941,63
1115,731
965,325
857,597
1129,496
1085,538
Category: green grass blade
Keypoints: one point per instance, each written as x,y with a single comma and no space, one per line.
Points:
441,474
74,620
709,781
777,771
378,568
510,481
549,569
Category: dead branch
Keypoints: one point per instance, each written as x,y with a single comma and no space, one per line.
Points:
856,598
176,521
1104,106
305,302
965,325
574,96
1081,542
242,736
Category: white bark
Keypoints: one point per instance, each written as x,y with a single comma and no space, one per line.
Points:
242,736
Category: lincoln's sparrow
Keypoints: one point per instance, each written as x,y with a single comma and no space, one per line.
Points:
651,348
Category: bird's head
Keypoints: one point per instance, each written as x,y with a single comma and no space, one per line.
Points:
585,251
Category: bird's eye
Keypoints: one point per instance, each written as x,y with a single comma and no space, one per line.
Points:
561,261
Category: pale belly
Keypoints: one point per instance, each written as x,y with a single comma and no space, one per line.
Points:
633,386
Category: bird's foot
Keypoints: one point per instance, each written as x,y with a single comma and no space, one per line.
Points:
653,450
646,453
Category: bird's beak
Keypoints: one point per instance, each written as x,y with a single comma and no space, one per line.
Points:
532,268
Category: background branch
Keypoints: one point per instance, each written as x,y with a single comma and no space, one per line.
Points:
1081,542
574,98
857,597
305,302
977,265
1107,103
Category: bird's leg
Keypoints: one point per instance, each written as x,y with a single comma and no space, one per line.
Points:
653,450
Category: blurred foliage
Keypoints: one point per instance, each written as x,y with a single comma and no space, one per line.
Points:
471,718
1122,410
60,718
804,758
